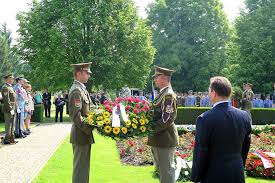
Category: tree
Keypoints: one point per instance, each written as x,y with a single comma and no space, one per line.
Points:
57,33
255,37
9,60
190,37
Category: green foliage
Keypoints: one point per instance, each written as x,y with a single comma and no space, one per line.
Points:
255,39
260,116
57,33
9,60
190,37
38,113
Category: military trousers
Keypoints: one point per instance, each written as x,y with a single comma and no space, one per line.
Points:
9,127
250,116
165,163
81,163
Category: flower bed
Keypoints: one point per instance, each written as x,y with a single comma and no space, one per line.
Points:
135,152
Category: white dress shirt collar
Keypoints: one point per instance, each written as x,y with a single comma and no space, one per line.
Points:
217,103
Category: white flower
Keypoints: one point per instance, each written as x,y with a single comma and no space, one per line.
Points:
189,164
186,173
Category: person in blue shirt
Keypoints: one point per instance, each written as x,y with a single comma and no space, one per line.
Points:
190,99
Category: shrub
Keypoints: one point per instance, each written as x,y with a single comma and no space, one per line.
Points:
260,116
38,113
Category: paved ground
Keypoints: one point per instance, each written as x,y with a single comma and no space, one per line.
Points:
21,162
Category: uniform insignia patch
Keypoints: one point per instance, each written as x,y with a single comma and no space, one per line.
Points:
5,93
169,109
77,103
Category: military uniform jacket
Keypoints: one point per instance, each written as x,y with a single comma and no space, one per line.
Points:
165,133
79,105
9,98
247,98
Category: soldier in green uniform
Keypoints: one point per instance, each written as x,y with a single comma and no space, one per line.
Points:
247,98
81,134
165,135
9,100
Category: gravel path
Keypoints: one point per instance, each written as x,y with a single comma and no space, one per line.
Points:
21,162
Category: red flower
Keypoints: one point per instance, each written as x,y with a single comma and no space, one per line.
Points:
177,153
107,106
142,110
138,106
146,108
128,107
139,150
135,111
119,99
131,143
129,99
106,102
143,102
137,100
183,156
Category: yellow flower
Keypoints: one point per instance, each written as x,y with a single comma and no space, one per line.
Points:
134,125
135,120
100,123
116,130
107,129
142,122
142,129
107,121
146,121
99,118
128,123
90,122
106,114
124,130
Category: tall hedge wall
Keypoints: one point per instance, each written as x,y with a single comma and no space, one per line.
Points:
260,116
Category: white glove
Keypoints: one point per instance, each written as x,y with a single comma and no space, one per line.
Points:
12,112
18,110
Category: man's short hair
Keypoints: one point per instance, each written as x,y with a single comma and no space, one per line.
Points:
221,85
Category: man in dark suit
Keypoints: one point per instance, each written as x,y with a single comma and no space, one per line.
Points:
222,139
47,103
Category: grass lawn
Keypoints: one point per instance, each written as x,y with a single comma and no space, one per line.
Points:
105,166
2,126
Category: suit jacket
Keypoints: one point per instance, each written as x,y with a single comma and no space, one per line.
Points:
165,133
221,146
79,105
47,98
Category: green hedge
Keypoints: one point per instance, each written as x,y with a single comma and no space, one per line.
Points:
38,113
36,117
260,116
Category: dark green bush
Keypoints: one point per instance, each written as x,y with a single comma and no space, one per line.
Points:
260,116
38,113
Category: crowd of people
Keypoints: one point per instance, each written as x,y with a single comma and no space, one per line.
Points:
201,99
18,107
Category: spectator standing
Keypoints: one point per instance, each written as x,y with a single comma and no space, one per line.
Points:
29,107
47,103
59,103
